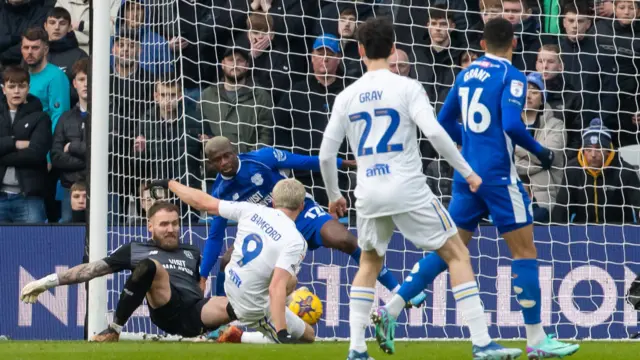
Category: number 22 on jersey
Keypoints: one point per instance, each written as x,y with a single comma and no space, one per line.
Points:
383,145
470,107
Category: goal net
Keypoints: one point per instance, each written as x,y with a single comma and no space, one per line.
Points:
183,71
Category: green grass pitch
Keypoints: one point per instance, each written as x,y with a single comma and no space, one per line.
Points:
54,350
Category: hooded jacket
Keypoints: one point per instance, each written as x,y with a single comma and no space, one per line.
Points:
65,52
607,195
33,125
246,119
437,70
550,134
70,130
14,21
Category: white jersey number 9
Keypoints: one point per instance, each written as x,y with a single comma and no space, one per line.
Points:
471,108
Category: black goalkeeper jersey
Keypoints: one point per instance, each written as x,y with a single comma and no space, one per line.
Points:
182,264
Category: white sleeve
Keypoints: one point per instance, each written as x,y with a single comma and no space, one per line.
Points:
423,114
234,210
332,139
292,256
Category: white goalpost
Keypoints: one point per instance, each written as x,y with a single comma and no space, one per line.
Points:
99,174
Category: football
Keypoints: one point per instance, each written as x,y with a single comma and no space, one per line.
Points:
306,305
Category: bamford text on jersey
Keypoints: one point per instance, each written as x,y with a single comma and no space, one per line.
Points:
266,227
476,74
370,96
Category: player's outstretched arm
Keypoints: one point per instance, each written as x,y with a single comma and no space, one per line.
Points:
423,115
77,274
281,159
277,302
194,197
334,134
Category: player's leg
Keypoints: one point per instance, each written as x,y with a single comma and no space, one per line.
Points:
510,209
465,211
147,275
431,228
321,229
214,312
374,237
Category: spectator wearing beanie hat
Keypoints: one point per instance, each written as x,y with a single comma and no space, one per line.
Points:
539,118
598,187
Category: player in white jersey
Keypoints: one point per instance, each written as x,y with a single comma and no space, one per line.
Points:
378,114
268,251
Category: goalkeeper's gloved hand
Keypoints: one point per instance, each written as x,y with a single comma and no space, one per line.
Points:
30,292
284,337
546,158
157,187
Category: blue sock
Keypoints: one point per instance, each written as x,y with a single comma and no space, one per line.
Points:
220,284
526,285
422,274
385,277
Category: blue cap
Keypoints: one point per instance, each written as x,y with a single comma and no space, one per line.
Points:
327,41
536,79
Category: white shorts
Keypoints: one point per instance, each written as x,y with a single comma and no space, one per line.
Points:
427,228
295,326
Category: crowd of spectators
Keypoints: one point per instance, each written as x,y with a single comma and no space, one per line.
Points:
266,73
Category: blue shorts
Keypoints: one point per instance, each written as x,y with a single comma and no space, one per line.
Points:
310,221
508,205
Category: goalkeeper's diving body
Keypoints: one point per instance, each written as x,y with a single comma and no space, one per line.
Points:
164,271
263,269
379,113
251,177
489,97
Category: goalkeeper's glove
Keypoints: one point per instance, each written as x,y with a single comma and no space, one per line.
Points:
157,187
546,158
30,292
284,337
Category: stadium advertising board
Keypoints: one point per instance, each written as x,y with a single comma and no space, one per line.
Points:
584,273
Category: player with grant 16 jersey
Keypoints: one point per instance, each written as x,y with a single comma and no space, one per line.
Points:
489,97
379,113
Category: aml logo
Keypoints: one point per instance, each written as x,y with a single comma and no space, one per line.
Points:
378,170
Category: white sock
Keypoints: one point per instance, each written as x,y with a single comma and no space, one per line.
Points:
468,302
116,327
395,305
535,334
360,306
255,337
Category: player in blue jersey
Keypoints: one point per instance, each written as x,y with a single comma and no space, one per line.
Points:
251,177
489,97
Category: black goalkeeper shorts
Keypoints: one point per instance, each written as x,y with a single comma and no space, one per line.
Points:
178,317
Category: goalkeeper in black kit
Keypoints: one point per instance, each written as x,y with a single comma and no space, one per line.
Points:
163,270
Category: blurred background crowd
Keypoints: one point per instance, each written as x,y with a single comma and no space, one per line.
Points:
266,73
